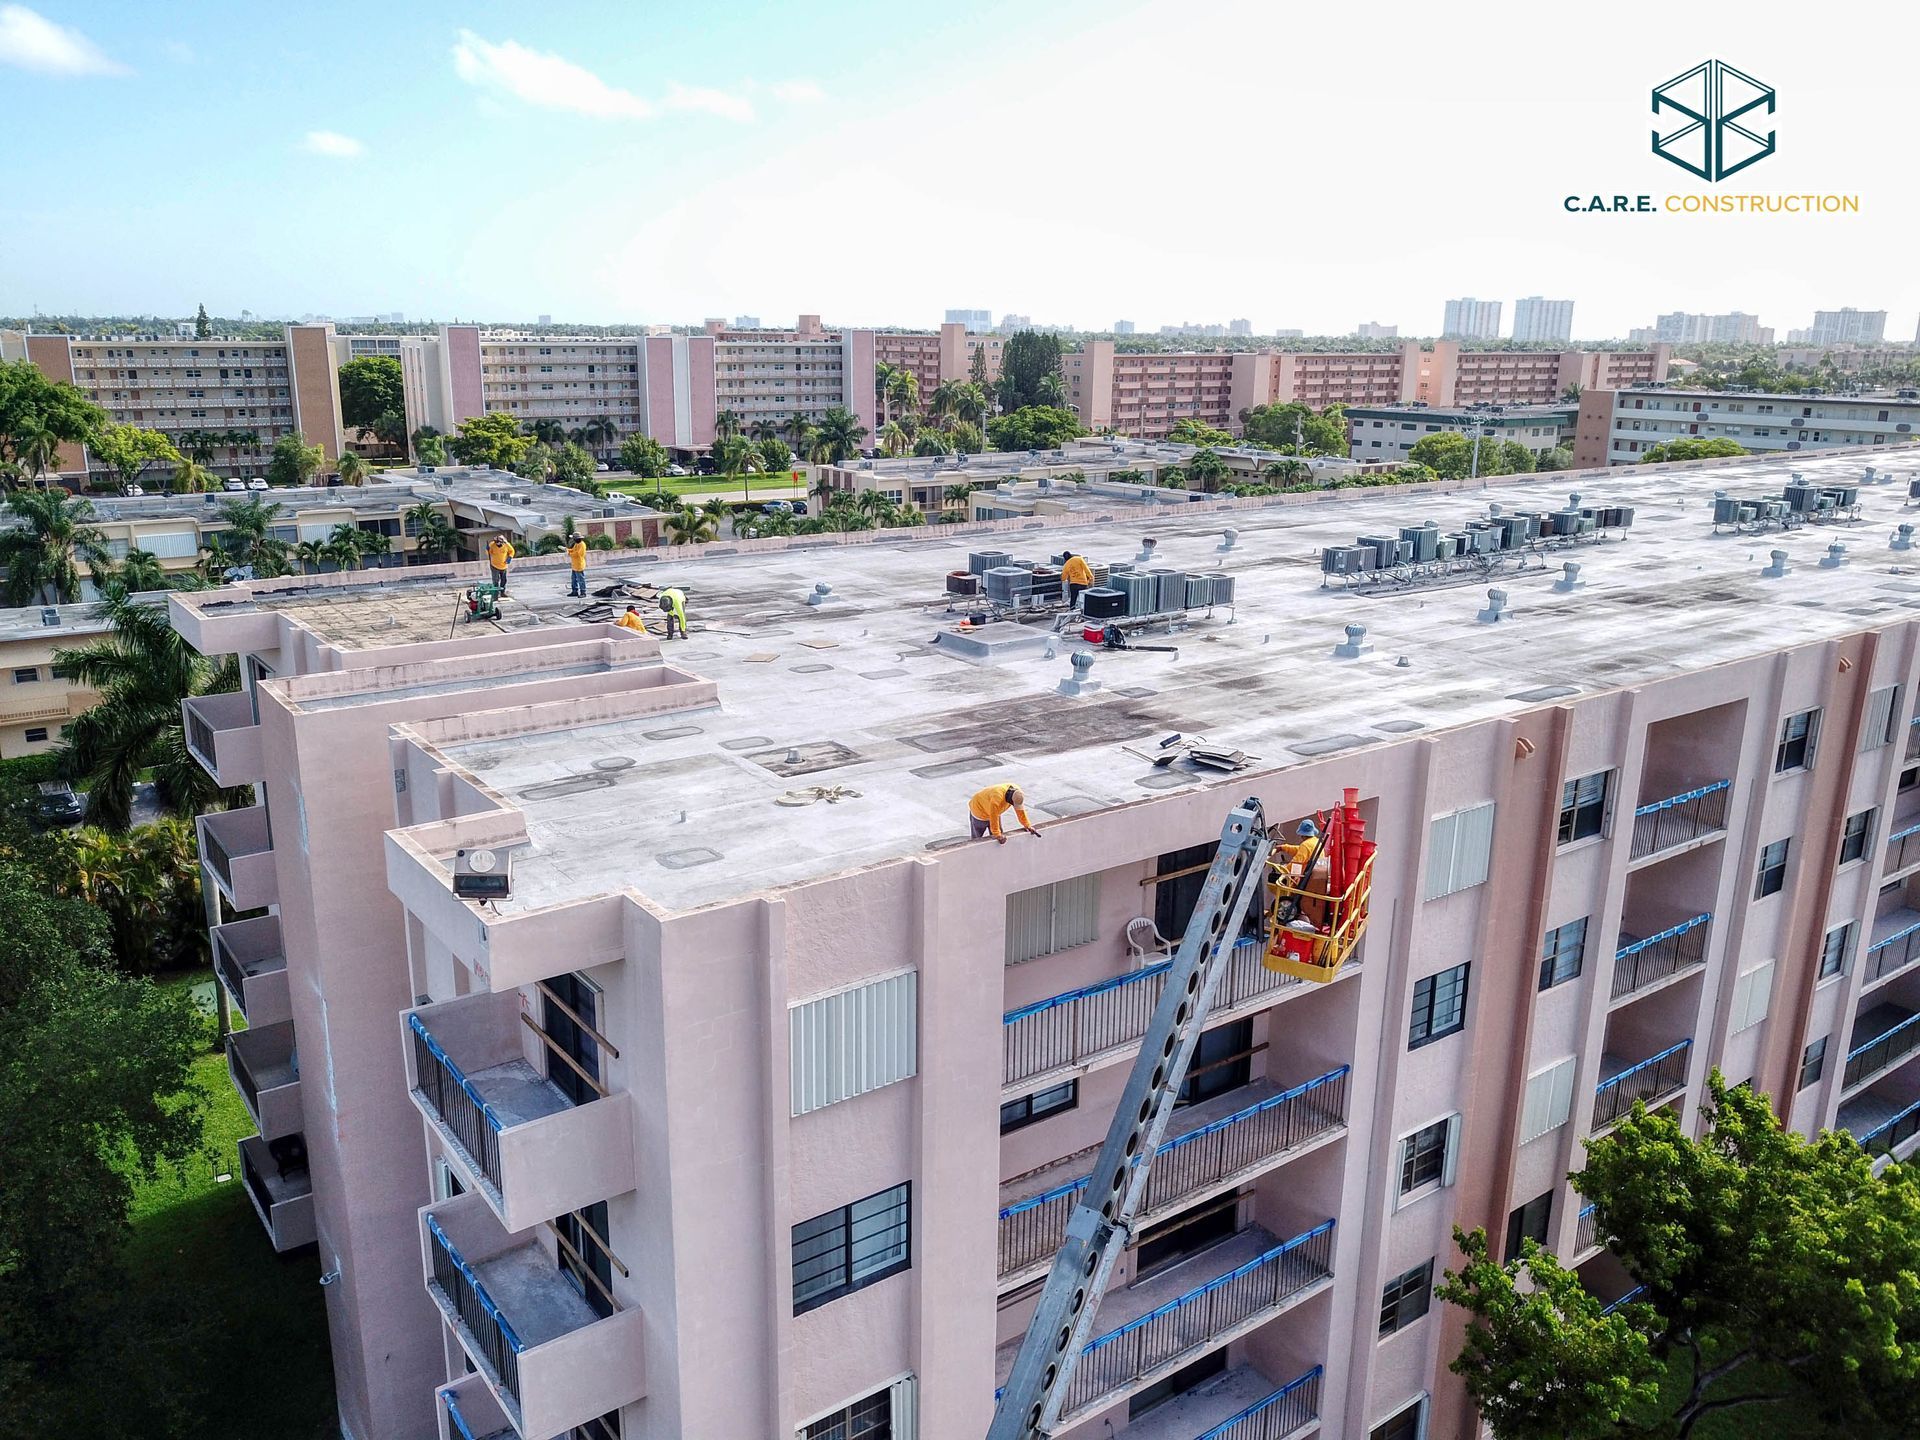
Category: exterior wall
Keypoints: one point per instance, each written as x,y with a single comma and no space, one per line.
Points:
315,382
918,353
1643,418
465,392
563,379
1592,429
52,356
41,705
1388,434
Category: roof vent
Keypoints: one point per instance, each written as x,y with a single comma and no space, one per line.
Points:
1903,539
1078,682
1147,547
1570,578
1227,537
820,592
1496,610
1778,566
1355,645
1835,557
50,616
1493,510
1573,501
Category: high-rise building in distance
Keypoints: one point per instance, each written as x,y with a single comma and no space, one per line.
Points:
1535,318
1373,330
1123,327
972,319
1470,319
1240,327
1848,327
1683,327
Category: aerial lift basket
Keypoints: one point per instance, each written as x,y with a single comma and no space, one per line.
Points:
1319,897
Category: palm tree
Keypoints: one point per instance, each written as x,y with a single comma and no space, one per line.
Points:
838,436
312,555
903,392
143,670
688,526
141,570
372,544
548,432
726,424
345,545
36,448
971,405
353,470
190,477
1052,390
894,439
1286,472
874,505
823,490
883,374
44,554
736,457
799,431
957,496
248,521
763,429
945,402
1206,469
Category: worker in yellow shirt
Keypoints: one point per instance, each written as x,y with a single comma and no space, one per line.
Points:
577,558
499,556
632,621
1077,576
675,605
988,805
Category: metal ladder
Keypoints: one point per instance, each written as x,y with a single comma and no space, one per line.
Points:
1101,1225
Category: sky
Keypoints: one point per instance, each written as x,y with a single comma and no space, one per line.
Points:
1079,162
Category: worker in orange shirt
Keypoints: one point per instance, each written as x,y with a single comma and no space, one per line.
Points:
988,805
577,559
499,556
632,621
1077,575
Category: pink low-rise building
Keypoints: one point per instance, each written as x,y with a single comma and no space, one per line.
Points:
753,1102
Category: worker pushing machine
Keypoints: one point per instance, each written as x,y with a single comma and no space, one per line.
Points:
988,805
1076,575
499,557
577,563
675,605
632,620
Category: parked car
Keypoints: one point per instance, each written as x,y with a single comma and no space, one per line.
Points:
239,485
256,483
799,507
676,470
603,467
55,805
776,507
133,492
706,465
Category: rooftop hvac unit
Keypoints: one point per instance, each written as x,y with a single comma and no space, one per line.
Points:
1007,583
1446,547
1518,529
1348,559
1199,591
1139,590
1423,538
981,561
1726,510
1803,498
1101,603
1046,582
1845,496
962,582
1386,551
1913,489
1221,587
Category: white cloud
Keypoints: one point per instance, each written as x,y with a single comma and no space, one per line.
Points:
553,82
33,42
332,143
797,92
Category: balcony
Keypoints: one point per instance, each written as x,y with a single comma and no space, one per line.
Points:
237,848
1638,1292
1863,1119
266,1071
1081,1029
531,1150
468,1411
1222,1143
280,1188
1641,965
1242,1404
1655,1079
247,958
1586,1232
1903,853
1895,1034
551,1361
1681,821
224,736
1155,1326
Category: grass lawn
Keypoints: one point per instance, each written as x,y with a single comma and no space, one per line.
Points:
774,487
245,1338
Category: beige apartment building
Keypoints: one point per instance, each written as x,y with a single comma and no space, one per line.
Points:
649,1054
35,702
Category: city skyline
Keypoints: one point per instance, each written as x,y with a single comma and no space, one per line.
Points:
388,199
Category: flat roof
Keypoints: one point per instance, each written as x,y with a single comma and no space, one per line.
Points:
28,622
854,694
1471,412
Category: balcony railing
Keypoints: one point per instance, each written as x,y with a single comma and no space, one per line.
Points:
1913,738
1194,1322
1903,850
277,1181
474,1122
1888,1134
265,1068
1893,952
1640,963
1679,819
465,1418
1079,1026
498,1342
1652,1080
1239,1144
1627,1299
1883,1051
247,958
1294,1404
1586,1232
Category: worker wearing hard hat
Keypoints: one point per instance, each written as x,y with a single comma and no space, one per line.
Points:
1077,575
577,560
675,605
988,805
632,621
499,557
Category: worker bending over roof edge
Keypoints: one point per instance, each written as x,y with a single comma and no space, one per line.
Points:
988,805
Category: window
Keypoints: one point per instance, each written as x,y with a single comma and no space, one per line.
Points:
1773,869
884,1415
1016,1114
1797,737
26,675
1883,714
570,1013
1222,1061
584,1259
1052,917
1813,1062
852,1041
1439,1007
1407,1424
1529,1222
1751,993
1178,1383
1187,1234
1854,839
1583,806
1835,950
1562,953
1549,1100
1459,847
850,1248
1426,1156
35,736
1406,1298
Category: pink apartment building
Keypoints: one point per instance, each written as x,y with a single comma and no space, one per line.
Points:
756,1105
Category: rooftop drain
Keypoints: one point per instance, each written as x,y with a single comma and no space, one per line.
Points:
614,762
687,859
1355,645
1227,538
805,759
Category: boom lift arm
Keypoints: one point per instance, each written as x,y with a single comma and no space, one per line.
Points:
1102,1223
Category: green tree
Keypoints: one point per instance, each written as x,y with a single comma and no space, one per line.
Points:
1515,458
644,456
574,466
930,442
1451,455
1781,1276
346,546
727,424
1036,427
492,439
1558,458
247,540
1691,447
965,438
1025,363
127,450
903,392
1287,472
53,540
1192,431
38,414
837,437
430,450
689,525
1298,429
202,326
1206,470
353,470
894,439
736,456
977,368
390,429
799,431
294,461
311,555
548,431
141,570
370,387
143,670
536,462
190,477
775,457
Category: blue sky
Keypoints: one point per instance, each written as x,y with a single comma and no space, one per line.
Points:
1157,160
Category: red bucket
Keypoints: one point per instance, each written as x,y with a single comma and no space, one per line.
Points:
1093,634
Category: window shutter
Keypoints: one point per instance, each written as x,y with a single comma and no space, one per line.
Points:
1029,923
1440,843
1882,705
901,1401
1450,1166
1460,850
1549,1100
852,1041
1751,992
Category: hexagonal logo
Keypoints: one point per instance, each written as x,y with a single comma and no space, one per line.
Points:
1715,137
